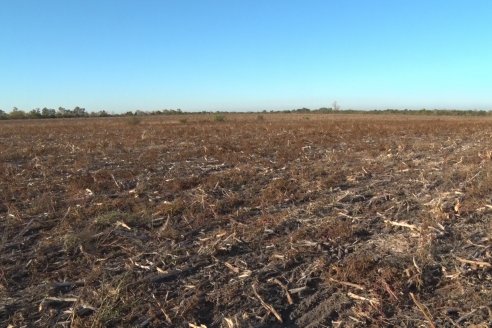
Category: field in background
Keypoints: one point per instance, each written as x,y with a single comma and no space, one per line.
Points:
246,220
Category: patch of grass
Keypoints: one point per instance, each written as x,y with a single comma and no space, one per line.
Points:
116,305
133,120
174,208
107,219
70,242
219,118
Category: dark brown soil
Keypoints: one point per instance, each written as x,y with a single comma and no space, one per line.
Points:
289,221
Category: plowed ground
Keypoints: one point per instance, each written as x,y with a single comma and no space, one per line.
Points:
272,221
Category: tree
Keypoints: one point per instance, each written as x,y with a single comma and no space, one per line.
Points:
3,115
35,113
48,113
102,113
324,110
62,112
79,112
16,113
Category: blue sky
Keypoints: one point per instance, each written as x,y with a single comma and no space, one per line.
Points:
245,55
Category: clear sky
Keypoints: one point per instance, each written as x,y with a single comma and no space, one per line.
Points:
245,55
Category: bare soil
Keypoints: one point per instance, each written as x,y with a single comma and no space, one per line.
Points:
271,221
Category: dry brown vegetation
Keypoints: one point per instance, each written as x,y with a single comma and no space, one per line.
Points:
344,221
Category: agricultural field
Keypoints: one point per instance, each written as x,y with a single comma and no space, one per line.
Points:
246,221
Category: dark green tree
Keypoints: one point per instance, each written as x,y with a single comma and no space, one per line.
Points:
79,112
35,113
48,113
16,113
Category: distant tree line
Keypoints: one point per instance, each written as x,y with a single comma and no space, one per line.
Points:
77,111
61,112
432,112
